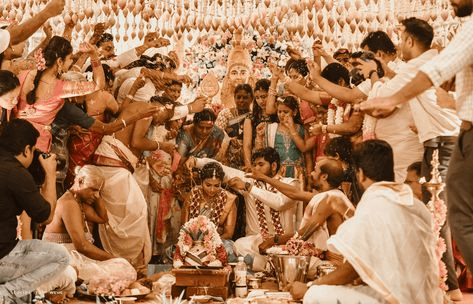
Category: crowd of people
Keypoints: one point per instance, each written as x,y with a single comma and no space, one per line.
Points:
101,159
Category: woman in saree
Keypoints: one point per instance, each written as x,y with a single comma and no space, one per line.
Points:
288,137
83,143
211,200
42,92
231,120
258,116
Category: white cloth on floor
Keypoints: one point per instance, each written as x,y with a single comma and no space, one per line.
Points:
333,294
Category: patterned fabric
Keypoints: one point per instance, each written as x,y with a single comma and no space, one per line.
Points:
188,145
213,208
262,216
42,113
291,157
82,147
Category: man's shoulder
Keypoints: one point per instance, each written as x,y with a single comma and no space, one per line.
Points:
12,171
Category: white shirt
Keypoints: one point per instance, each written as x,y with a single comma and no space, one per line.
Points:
287,207
395,128
456,59
430,119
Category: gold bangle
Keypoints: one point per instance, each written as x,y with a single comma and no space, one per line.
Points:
324,129
124,123
345,215
129,96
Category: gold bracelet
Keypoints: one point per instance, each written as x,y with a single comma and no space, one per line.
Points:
345,215
124,123
129,96
324,129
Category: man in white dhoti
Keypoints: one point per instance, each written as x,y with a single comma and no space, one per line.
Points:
269,213
389,243
126,234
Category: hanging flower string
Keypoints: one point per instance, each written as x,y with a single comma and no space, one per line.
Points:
39,59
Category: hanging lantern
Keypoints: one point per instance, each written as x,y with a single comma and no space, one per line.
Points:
81,16
121,3
67,19
89,12
130,6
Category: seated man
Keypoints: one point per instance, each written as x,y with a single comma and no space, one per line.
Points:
75,209
25,265
325,210
388,222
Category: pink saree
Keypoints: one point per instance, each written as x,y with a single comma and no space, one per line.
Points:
42,113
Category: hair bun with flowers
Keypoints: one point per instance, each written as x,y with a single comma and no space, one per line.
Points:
39,59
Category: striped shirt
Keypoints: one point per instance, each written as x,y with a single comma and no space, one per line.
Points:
456,59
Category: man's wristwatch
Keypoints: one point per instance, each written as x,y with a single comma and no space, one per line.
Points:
371,73
247,186
276,239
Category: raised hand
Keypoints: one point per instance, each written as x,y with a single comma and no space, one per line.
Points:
314,69
55,7
198,104
236,183
190,163
87,48
48,30
184,79
315,129
275,70
49,164
99,29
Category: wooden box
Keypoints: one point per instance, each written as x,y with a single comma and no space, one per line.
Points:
191,291
202,277
213,282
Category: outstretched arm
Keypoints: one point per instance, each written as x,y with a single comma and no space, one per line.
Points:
288,190
23,31
342,93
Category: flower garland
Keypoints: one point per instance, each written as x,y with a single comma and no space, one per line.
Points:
202,229
210,53
216,204
39,59
369,124
299,247
439,214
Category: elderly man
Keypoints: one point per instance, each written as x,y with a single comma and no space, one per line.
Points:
390,233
